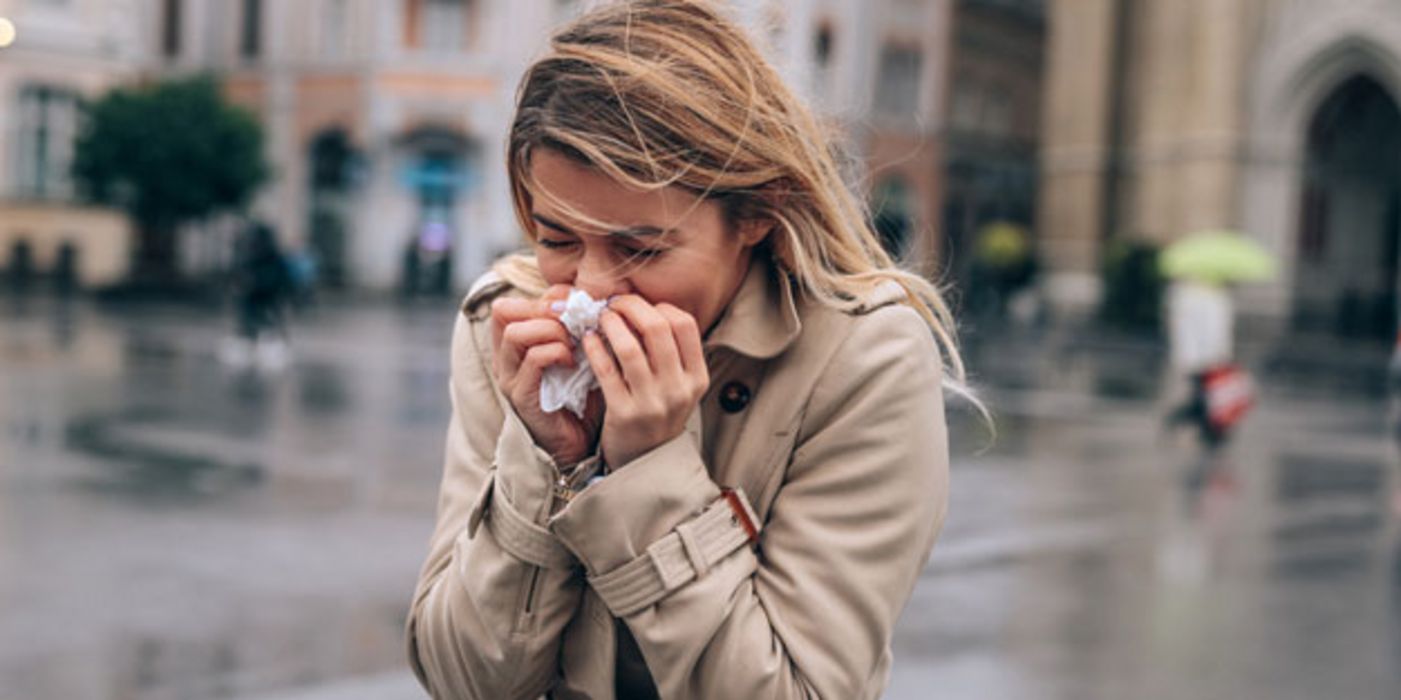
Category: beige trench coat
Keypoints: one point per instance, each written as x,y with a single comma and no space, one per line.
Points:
828,425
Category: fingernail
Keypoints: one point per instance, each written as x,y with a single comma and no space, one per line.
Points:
557,306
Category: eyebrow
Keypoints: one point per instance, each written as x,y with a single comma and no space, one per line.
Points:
630,232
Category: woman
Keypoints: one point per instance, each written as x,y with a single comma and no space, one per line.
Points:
748,499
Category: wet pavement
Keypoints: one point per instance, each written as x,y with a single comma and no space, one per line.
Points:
174,528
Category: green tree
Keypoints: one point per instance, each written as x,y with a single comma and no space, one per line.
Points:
168,153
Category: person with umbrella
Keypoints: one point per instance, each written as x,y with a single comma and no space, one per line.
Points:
1201,327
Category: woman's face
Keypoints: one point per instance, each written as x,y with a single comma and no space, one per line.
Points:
663,246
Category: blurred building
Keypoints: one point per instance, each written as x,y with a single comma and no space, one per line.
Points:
994,121
64,51
879,71
385,123
386,119
1278,118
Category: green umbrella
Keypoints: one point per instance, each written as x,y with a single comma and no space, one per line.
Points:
1217,257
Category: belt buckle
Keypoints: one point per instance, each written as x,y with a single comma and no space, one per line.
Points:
741,515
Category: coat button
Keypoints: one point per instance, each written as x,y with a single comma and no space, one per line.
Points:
734,397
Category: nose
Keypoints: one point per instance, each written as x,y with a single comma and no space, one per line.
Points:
600,277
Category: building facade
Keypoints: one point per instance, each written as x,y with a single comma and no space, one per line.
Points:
386,119
994,122
879,70
1276,117
385,123
64,51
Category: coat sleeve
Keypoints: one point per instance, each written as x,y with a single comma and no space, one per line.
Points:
811,613
493,597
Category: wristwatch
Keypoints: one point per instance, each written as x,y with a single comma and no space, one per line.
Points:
570,483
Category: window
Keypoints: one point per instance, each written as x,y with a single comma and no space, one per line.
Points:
998,117
564,10
335,29
170,29
822,47
964,106
47,125
444,25
822,59
981,108
897,86
250,36
890,206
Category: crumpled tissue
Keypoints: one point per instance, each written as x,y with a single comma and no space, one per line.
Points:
569,387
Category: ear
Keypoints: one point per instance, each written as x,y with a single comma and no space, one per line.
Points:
753,231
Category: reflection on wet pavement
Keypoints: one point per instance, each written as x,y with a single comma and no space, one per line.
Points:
171,528
1088,555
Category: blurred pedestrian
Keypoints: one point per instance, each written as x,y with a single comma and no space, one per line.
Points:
1393,389
1002,270
743,506
21,271
263,285
1393,385
1201,331
1201,326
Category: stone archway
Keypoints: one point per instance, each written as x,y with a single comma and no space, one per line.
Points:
1310,51
1345,258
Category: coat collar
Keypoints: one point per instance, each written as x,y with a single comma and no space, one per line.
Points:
762,319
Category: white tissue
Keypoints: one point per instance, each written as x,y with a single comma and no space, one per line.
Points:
569,387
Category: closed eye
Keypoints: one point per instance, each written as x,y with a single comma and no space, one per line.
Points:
642,252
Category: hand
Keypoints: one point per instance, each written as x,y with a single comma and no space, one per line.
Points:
528,338
653,378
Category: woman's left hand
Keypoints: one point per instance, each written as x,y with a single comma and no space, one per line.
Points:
651,381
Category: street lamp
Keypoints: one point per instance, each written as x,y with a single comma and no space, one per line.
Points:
7,32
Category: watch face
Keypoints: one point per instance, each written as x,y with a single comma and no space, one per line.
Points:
563,492
567,486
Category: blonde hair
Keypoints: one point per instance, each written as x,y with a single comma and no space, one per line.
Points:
658,93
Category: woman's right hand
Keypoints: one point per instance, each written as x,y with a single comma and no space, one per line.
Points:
527,338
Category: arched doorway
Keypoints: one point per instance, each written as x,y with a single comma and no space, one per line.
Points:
1347,266
334,162
440,172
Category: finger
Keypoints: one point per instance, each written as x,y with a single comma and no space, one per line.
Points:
605,368
637,371
688,339
655,330
520,336
536,360
508,310
556,293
